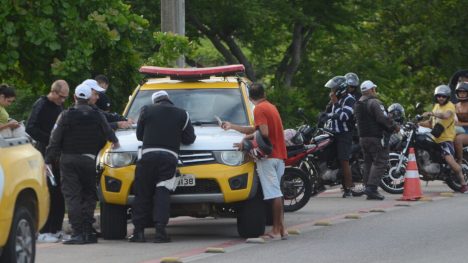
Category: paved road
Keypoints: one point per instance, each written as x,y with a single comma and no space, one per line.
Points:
430,231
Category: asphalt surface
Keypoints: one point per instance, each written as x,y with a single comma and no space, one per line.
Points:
385,231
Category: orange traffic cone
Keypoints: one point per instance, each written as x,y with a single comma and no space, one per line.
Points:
412,186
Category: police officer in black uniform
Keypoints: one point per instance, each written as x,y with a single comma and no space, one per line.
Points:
373,122
79,134
162,127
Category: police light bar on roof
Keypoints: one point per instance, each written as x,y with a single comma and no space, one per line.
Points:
192,73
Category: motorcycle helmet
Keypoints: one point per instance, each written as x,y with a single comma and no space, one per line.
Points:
461,86
442,90
258,147
338,83
352,79
397,111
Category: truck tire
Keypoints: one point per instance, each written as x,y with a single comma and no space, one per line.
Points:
113,221
21,244
252,218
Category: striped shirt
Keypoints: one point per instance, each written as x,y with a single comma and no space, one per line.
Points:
342,114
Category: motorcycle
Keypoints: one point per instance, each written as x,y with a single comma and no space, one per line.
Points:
431,164
315,159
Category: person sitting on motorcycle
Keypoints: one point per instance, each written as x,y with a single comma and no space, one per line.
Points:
444,114
461,108
353,85
342,119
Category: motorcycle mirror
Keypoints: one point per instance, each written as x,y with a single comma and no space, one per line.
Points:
300,111
418,106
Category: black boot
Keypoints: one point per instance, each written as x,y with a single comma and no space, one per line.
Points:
75,239
161,235
372,193
138,236
89,235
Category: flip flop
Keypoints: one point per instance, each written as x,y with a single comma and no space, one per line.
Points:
285,236
272,237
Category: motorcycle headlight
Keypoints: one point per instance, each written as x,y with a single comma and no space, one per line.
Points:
232,158
119,159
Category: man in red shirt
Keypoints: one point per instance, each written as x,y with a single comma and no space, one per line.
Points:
270,169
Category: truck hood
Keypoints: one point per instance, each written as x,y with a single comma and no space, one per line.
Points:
208,138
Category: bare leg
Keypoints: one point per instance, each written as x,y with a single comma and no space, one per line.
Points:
460,141
347,177
278,217
456,168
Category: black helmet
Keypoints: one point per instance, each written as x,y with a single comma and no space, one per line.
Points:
461,86
259,147
339,84
397,111
352,79
442,90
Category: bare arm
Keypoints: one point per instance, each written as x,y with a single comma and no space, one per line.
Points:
242,129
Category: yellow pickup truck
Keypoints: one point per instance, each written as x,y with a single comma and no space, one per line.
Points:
24,199
217,180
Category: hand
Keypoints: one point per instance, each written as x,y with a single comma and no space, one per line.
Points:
226,125
115,145
124,124
131,121
13,124
427,114
333,97
239,146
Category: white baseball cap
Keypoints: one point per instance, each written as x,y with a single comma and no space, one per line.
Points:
158,94
83,92
367,85
93,84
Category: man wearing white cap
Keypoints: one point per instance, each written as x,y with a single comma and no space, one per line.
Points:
373,122
79,134
115,120
162,127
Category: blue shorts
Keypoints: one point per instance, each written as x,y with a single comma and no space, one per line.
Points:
270,171
447,148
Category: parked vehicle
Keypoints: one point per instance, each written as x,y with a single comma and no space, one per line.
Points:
217,180
316,159
429,159
24,199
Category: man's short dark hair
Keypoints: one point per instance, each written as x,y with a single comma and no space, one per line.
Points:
102,79
257,91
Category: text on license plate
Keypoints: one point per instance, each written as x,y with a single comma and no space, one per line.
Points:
186,180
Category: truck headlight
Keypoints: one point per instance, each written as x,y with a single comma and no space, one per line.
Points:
119,159
232,158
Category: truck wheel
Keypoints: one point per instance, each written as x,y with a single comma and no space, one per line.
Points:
21,244
252,218
113,221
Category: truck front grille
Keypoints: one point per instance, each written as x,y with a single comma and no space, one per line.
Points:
187,158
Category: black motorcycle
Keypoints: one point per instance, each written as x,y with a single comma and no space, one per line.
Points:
431,164
320,165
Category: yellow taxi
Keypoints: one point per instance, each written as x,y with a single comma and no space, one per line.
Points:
216,179
24,199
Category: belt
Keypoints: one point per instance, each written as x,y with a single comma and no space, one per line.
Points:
147,150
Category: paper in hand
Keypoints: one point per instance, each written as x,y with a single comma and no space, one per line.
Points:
220,122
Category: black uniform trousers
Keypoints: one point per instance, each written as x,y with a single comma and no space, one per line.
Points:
79,190
152,168
57,203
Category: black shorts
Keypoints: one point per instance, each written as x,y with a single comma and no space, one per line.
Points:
343,143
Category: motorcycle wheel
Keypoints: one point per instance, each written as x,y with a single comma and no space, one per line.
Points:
296,189
393,181
452,180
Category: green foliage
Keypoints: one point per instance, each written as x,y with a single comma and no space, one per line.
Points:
171,47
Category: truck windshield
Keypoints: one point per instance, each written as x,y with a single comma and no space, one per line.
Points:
202,104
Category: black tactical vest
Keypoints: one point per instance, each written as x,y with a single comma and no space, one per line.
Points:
367,125
83,133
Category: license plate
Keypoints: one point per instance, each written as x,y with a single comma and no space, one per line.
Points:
186,180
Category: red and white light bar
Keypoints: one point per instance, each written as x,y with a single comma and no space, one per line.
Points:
192,73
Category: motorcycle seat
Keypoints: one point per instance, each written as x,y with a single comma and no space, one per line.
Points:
294,150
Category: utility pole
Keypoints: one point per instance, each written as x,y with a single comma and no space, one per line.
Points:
173,20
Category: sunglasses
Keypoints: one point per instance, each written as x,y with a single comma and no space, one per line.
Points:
441,96
61,96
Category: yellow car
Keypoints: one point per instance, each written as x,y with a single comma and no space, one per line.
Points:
24,199
217,180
